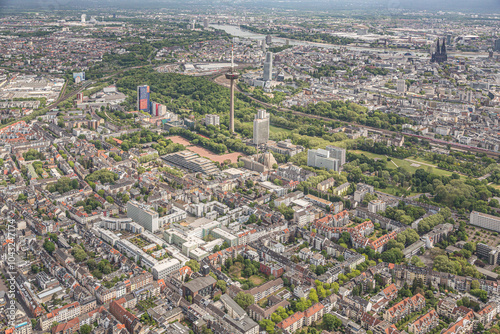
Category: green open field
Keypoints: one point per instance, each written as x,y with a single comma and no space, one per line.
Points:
235,270
407,165
316,142
275,129
257,280
272,128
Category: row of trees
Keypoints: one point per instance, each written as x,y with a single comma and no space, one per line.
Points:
103,175
463,195
351,112
64,184
89,204
196,139
405,214
33,154
455,265
219,144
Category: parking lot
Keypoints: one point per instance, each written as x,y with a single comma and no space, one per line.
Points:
477,234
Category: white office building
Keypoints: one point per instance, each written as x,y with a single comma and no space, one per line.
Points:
231,239
331,158
337,153
320,158
401,86
485,221
143,215
376,205
165,268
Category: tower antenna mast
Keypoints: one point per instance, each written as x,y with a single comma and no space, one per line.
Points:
232,76
232,58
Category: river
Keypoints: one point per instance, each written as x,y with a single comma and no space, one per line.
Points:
236,31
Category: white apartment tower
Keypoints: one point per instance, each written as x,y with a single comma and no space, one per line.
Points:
212,120
143,215
485,221
261,127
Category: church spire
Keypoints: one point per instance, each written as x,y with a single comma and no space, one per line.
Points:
443,47
438,49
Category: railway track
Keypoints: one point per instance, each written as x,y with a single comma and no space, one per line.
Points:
458,146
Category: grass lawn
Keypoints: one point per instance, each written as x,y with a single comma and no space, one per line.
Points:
394,191
235,270
275,129
262,303
272,128
257,280
422,160
139,242
407,165
144,305
316,142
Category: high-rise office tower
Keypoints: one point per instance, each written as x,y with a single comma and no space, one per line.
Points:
232,76
337,153
268,67
143,102
205,22
84,18
261,127
158,109
269,39
496,46
321,158
401,86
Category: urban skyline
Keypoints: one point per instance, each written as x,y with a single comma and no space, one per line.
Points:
246,167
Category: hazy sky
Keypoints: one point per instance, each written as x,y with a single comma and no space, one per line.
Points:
490,6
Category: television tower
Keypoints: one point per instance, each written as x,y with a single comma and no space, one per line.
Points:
232,76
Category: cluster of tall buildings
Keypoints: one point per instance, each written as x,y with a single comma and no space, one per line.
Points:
331,158
145,104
